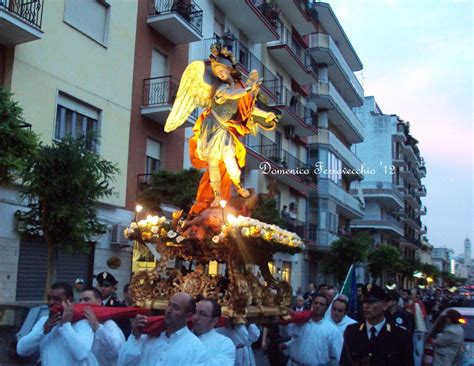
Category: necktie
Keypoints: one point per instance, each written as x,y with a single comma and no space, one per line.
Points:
373,333
372,341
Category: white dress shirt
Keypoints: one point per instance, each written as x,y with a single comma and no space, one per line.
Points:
66,344
243,337
378,327
181,348
220,349
342,325
314,343
108,340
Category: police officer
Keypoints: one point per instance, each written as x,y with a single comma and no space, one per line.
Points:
375,342
397,316
107,285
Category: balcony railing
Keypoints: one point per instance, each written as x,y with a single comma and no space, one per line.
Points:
159,91
30,11
290,100
186,9
325,41
297,49
328,89
269,10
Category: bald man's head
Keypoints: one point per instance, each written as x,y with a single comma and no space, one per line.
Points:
180,308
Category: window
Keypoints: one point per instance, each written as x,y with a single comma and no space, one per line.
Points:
335,168
153,155
76,119
286,271
90,17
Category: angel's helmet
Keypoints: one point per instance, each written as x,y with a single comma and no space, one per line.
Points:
221,57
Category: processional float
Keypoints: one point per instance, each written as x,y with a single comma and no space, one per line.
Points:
219,226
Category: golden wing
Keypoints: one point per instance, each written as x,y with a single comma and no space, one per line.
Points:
193,91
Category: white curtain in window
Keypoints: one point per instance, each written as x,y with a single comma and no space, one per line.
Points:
88,16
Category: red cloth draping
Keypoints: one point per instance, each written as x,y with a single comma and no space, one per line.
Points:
297,317
154,327
103,313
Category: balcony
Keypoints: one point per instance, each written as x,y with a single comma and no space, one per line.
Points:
423,230
295,114
324,51
305,231
258,23
326,137
247,61
386,223
20,21
400,135
261,149
158,96
422,211
326,96
348,205
331,25
179,21
409,221
422,170
296,13
410,153
421,191
411,199
292,56
385,192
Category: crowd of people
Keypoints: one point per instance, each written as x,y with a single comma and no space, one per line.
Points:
383,327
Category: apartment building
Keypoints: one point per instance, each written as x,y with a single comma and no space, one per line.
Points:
56,57
332,205
392,187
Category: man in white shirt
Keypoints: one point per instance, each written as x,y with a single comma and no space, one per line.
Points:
220,349
339,314
108,338
57,340
177,345
316,342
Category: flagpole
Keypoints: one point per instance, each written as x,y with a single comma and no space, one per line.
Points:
347,276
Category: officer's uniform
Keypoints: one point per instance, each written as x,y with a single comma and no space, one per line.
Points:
390,346
402,319
106,278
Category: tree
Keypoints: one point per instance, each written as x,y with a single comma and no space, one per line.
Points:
383,258
267,211
174,188
430,271
407,267
17,143
346,251
62,184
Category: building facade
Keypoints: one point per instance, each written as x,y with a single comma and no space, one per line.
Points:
392,187
55,58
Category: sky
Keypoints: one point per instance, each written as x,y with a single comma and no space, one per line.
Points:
418,63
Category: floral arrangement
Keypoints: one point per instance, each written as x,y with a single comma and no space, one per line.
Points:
155,227
252,228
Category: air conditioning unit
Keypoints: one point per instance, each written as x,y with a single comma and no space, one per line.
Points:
117,236
289,132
